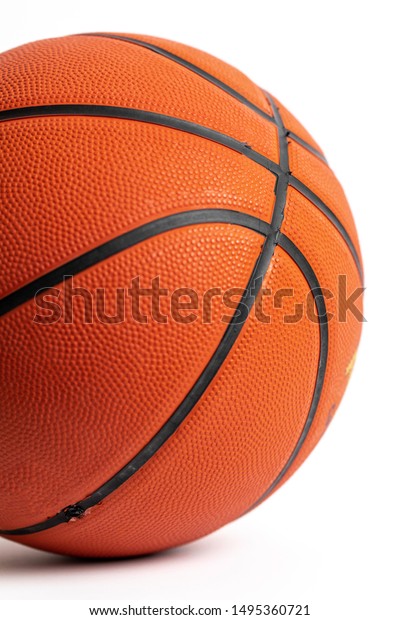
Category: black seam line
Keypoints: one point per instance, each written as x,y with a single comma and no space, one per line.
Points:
308,273
207,76
143,116
315,287
315,200
186,126
228,340
188,65
172,424
283,178
219,356
127,240
282,135
278,216
292,136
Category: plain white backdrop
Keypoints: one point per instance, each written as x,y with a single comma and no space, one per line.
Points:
330,536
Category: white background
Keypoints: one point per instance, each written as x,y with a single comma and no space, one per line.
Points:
329,537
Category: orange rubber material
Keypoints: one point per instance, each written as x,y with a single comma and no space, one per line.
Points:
79,401
115,175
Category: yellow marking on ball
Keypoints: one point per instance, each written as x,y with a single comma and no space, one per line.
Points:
350,366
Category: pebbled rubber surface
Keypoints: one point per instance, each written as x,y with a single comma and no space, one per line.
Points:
79,401
111,182
118,382
223,455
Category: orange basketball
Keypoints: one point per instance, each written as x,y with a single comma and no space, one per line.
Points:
180,294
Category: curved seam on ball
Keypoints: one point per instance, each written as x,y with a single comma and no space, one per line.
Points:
100,111
207,76
78,509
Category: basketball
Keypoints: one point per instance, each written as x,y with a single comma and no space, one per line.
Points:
180,294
